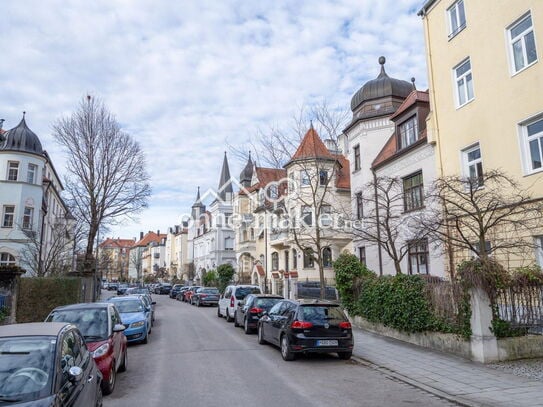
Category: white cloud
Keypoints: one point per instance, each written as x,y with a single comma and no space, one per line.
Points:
184,77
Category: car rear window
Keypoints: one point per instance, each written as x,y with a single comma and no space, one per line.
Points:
267,303
321,313
210,290
243,292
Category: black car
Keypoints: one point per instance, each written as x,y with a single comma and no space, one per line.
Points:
302,326
164,288
175,290
205,296
47,364
251,308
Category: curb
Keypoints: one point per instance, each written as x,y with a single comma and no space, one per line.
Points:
460,401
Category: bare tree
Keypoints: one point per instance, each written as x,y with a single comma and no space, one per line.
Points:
384,222
136,260
484,215
107,181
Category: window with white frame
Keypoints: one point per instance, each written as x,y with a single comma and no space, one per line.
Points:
359,205
413,192
327,257
8,216
522,44
6,259
325,217
356,157
309,261
533,139
408,132
457,18
304,178
473,164
228,243
28,215
323,177
418,257
275,261
464,82
13,170
31,174
307,215
362,255
539,250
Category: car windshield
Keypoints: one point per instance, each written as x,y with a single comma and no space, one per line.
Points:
91,322
129,306
243,292
266,303
137,291
26,367
321,314
210,290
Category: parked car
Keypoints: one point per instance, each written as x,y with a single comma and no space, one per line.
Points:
101,326
205,296
250,310
138,290
135,315
121,289
47,364
307,326
149,304
232,295
112,287
187,295
175,290
181,294
164,288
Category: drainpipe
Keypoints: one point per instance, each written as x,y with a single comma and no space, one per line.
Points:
377,222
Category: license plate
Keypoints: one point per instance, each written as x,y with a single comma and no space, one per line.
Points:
327,343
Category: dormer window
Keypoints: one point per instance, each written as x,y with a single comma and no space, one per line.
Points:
408,132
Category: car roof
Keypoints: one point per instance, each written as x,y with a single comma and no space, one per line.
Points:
83,305
267,296
125,297
33,329
316,301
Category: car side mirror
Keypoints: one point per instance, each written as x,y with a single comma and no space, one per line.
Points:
153,303
75,374
119,328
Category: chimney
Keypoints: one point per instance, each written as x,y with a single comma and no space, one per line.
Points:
158,232
141,235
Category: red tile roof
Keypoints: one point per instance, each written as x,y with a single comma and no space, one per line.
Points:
110,243
390,149
311,147
150,237
265,176
410,100
343,176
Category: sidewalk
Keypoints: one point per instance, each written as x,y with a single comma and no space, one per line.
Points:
453,378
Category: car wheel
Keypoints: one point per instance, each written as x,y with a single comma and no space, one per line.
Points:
219,312
99,396
145,340
246,328
286,353
236,319
345,355
228,317
198,303
107,387
261,336
122,367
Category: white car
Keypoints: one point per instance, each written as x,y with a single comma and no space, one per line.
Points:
232,295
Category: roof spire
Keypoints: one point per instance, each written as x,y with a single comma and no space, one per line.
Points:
382,61
225,184
24,113
311,124
413,82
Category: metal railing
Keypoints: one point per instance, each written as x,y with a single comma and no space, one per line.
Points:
522,307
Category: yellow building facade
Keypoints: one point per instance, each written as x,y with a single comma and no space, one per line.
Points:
486,89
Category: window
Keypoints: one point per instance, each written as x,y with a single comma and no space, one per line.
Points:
273,192
464,83
362,255
522,44
474,164
356,157
307,215
323,177
27,217
538,251
457,18
286,261
228,243
418,257
327,257
13,170
304,178
308,258
408,132
413,191
488,248
325,218
359,206
275,261
8,216
294,259
31,174
6,259
533,134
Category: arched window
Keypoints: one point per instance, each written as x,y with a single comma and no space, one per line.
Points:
7,259
308,258
275,261
327,257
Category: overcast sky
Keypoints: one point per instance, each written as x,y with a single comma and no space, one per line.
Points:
186,77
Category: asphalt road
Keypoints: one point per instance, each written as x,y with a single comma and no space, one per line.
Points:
194,358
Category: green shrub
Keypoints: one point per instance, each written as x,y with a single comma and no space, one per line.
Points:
225,273
4,313
349,276
210,278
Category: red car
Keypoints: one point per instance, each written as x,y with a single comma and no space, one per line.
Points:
100,325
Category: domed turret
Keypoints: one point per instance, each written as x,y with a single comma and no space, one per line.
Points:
380,87
21,138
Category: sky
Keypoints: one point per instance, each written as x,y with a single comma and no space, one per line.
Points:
192,79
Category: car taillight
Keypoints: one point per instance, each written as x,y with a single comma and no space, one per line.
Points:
301,325
255,310
345,325
232,300
203,295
